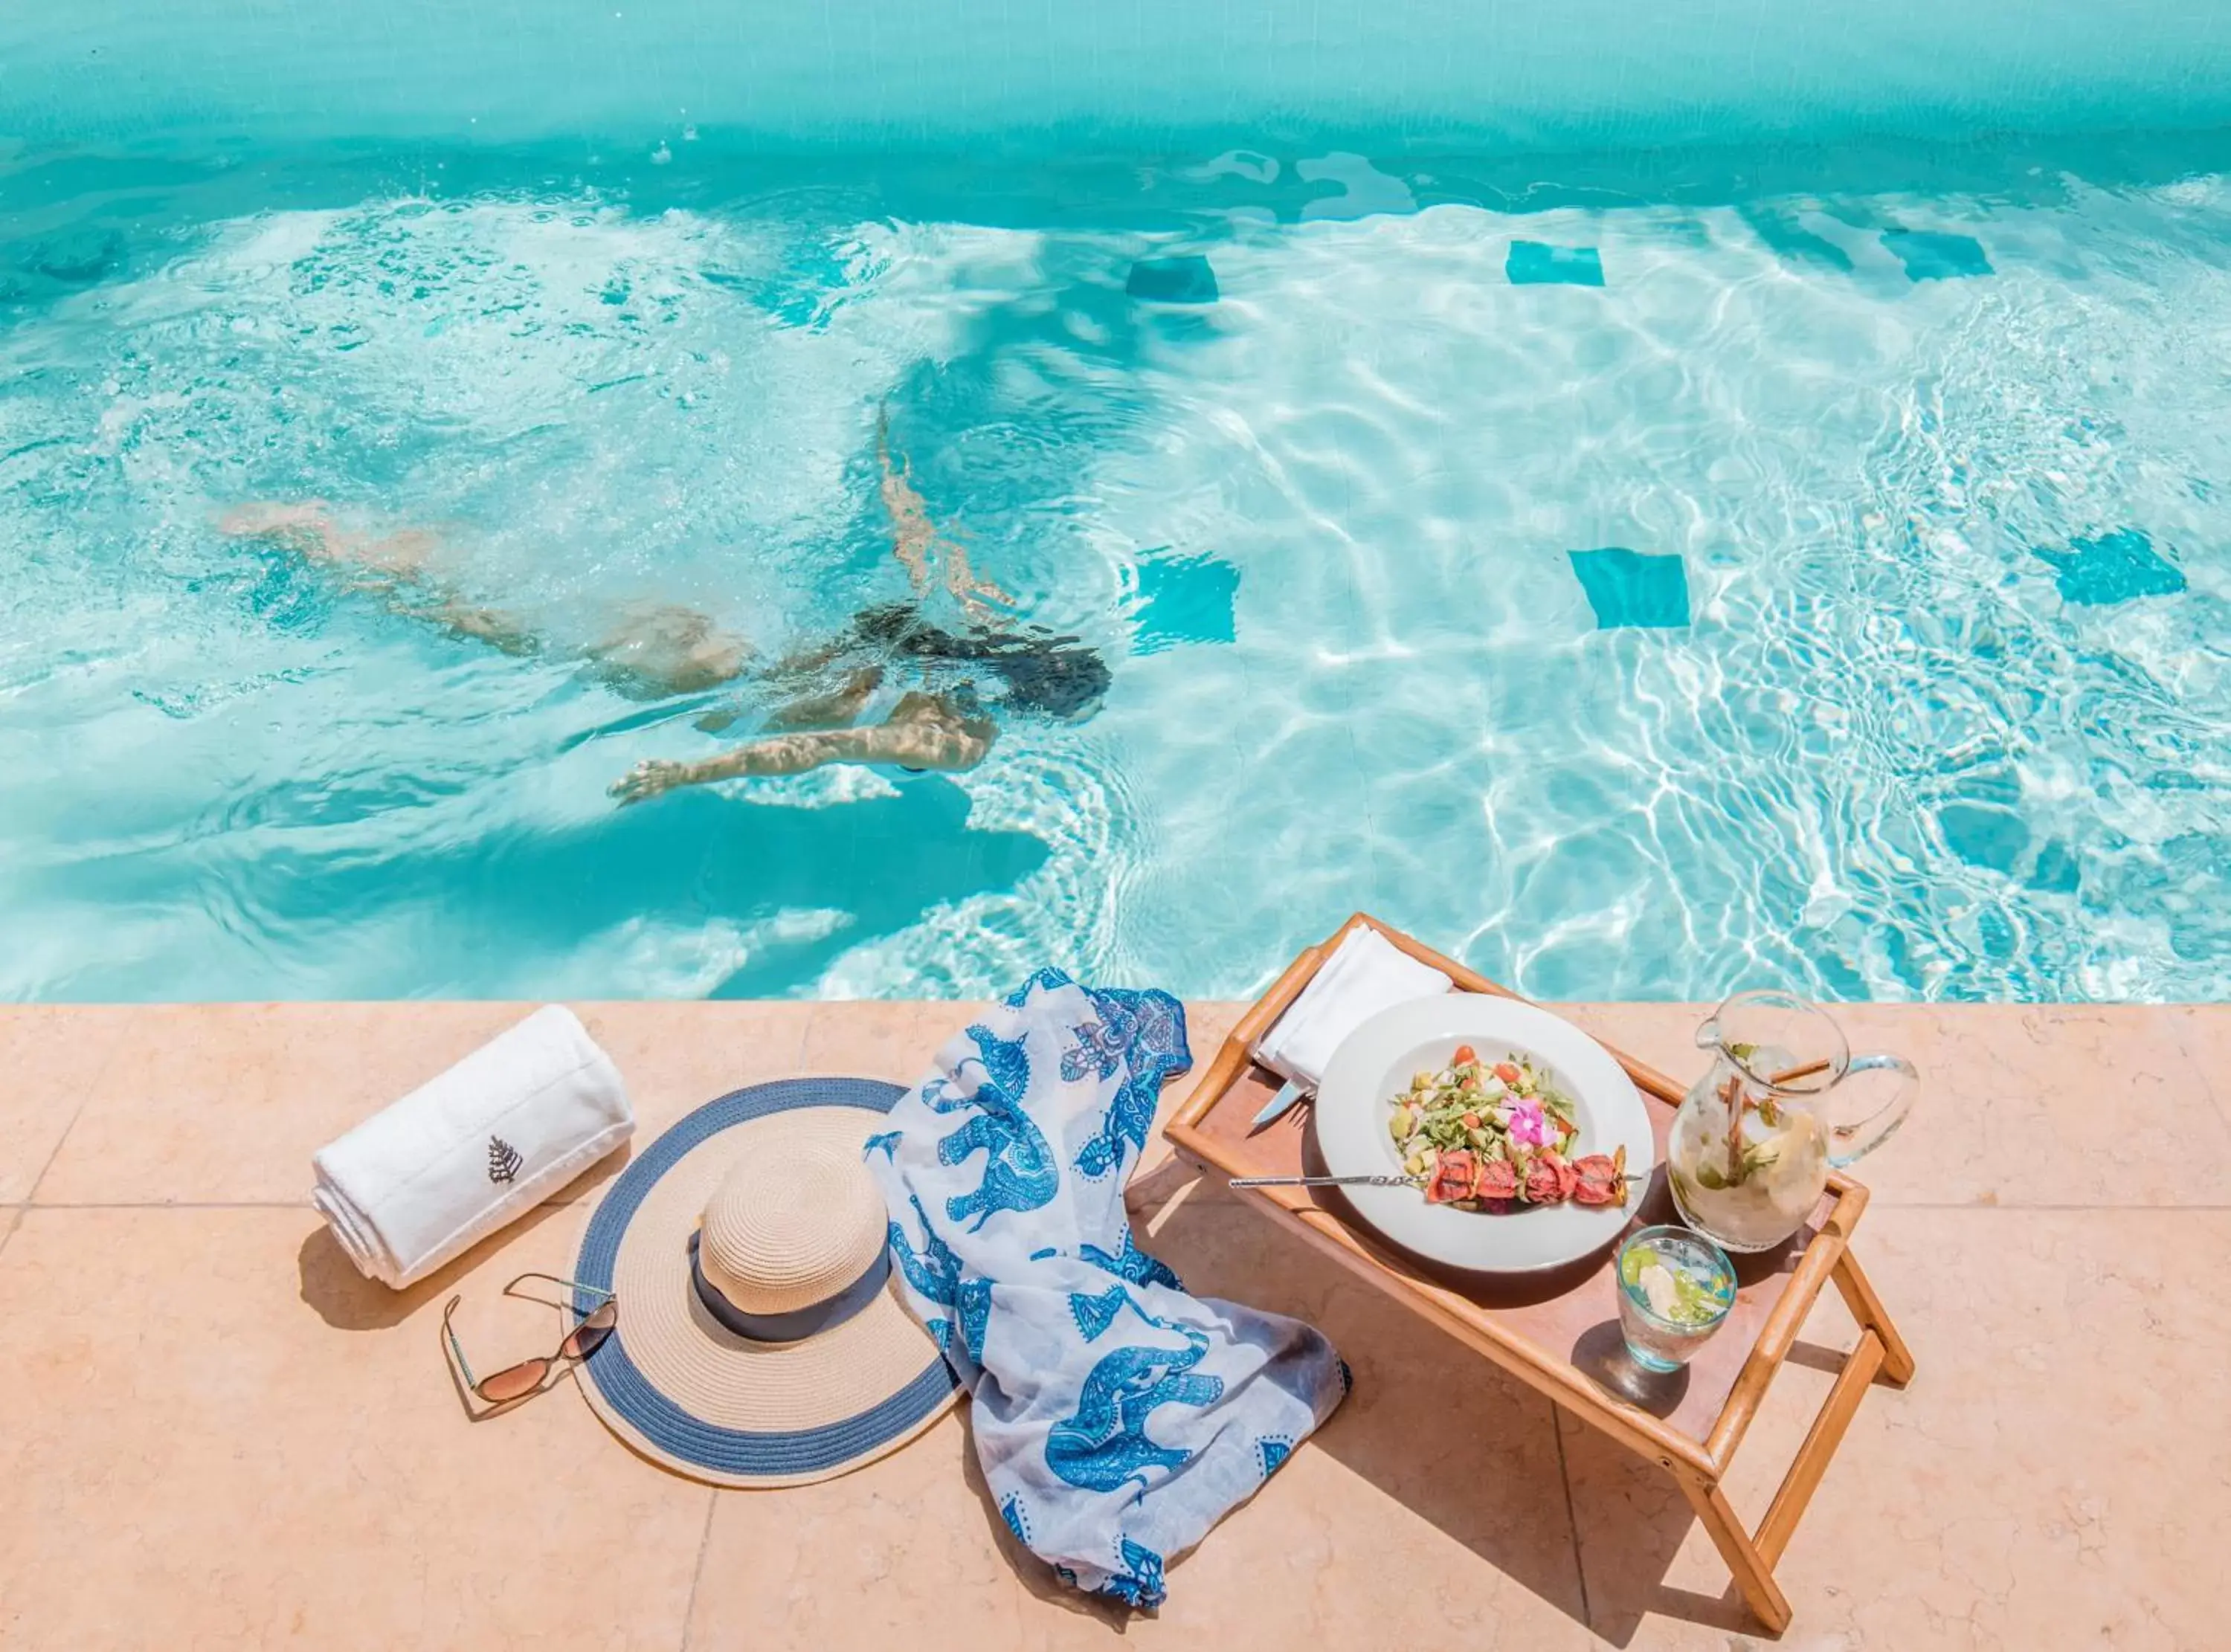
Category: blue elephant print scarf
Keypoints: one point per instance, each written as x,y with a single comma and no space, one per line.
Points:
1116,1418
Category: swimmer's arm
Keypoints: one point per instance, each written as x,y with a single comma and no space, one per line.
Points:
783,754
913,745
910,528
911,546
916,537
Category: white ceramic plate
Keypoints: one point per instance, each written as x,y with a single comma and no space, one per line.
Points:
1374,1064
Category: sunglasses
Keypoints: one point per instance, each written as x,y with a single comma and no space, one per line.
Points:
517,1382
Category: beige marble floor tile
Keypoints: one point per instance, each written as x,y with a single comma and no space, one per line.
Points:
1327,1556
2056,1475
898,1041
890,1040
899,1554
912,1550
50,1057
219,1436
225,1103
2016,1100
1474,1513
2205,1031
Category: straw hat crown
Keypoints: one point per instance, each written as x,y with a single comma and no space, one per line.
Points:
792,1224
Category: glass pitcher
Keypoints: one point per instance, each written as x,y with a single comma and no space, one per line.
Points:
1754,1139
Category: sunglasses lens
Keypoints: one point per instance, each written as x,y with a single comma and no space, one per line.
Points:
514,1381
588,1336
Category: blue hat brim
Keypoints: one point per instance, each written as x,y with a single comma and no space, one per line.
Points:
688,1442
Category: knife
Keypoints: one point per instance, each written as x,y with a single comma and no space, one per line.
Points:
1288,1093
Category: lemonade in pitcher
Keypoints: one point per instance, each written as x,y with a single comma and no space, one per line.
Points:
1752,1146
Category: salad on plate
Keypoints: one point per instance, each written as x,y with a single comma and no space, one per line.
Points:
1497,1137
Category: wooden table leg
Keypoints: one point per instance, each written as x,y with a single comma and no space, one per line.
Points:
1820,1442
1753,1576
1866,1307
1751,1559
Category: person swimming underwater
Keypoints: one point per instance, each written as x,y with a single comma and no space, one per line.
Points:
946,727
658,650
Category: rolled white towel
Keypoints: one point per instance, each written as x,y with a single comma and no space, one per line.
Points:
419,1182
1366,973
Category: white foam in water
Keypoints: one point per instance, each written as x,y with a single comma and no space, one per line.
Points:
688,961
1886,758
585,391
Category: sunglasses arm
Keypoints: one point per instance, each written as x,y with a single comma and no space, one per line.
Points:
457,1348
570,1284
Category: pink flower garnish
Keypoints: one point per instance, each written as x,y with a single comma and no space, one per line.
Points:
1528,1124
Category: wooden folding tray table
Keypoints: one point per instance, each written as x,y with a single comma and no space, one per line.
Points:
1694,1427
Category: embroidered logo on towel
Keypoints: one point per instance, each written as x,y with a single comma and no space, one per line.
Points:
504,1160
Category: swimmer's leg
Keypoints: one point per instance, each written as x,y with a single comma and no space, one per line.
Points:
391,567
309,529
303,527
506,633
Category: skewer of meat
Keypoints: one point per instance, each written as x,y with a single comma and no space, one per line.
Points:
1461,1176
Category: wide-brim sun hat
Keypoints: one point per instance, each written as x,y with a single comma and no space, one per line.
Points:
760,1339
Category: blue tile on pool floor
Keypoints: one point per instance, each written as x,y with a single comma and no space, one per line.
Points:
1633,588
1185,599
2114,568
1793,242
1189,280
1534,262
1931,256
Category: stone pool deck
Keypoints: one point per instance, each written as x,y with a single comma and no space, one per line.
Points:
215,1434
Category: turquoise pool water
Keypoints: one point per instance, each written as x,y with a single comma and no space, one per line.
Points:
1642,575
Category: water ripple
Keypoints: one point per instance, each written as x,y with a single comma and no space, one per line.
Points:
1887,758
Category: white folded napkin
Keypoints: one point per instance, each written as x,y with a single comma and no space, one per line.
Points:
424,1179
1366,973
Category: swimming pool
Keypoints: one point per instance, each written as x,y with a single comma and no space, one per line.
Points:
1641,572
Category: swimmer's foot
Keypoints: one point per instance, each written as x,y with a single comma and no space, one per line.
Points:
652,777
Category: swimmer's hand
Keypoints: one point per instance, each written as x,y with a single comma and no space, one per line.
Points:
650,778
